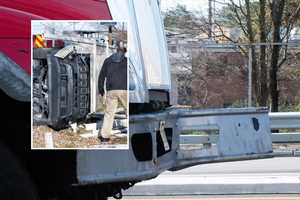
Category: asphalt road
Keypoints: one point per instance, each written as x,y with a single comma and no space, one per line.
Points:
245,197
265,176
270,165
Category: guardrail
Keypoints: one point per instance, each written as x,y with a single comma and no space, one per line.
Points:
285,120
280,120
203,139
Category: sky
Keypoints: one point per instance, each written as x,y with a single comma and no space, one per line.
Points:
41,26
193,5
201,5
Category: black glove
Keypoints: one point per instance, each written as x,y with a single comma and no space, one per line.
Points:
101,92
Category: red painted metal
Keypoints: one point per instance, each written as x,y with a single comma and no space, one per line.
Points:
15,17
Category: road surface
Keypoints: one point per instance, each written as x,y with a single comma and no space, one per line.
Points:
265,176
230,197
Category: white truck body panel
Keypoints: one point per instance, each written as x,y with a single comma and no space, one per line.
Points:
148,55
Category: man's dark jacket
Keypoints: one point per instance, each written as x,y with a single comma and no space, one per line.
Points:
114,69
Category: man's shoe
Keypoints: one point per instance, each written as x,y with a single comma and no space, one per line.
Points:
103,140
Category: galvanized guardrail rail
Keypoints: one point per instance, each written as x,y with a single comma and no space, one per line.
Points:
285,120
280,120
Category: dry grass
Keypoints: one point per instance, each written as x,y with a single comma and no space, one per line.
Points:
67,138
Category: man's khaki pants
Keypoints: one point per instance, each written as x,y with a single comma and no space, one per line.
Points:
111,105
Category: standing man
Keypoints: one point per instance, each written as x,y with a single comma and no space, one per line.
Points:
114,71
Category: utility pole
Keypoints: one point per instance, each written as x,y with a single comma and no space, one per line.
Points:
210,19
250,77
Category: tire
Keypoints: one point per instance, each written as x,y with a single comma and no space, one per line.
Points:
57,126
15,183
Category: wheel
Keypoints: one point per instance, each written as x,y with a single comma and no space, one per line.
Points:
59,125
15,183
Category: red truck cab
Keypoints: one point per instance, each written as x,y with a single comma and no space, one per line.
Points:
16,16
27,174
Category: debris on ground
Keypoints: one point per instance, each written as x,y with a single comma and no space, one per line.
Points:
68,138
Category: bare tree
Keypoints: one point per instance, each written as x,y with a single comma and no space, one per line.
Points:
263,90
281,16
277,8
262,23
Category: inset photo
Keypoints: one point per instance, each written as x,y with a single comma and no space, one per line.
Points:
79,84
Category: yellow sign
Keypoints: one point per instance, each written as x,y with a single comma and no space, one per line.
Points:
39,41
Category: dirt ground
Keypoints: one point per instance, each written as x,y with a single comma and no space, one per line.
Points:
67,138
